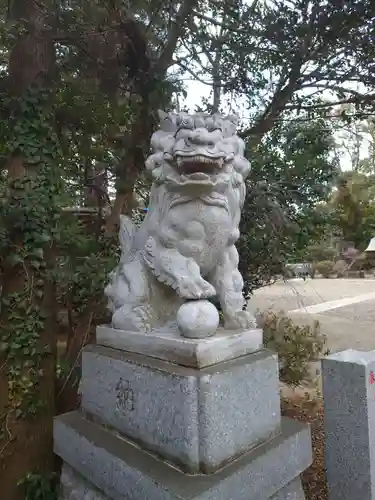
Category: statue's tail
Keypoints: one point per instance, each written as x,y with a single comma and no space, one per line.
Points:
126,235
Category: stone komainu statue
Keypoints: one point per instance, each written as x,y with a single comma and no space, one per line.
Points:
185,247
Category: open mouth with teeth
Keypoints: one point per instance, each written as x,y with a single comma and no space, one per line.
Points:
199,165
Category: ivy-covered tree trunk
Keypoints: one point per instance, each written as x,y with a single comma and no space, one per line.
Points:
27,339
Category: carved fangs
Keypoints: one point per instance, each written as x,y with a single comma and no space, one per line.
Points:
199,163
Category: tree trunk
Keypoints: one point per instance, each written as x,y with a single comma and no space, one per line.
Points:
123,204
135,144
148,77
26,440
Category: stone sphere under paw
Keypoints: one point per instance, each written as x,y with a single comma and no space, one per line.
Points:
198,319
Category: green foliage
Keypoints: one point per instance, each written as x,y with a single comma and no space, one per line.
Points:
354,207
39,487
297,346
28,219
24,354
269,53
362,263
320,251
325,268
83,268
292,170
29,127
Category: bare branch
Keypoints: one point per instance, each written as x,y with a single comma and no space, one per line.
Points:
281,97
330,86
193,74
215,22
194,54
224,25
182,16
358,99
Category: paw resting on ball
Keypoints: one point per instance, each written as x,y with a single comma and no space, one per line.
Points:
195,288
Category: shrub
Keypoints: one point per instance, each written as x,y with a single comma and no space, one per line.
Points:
288,273
319,252
39,487
340,268
325,268
296,345
362,263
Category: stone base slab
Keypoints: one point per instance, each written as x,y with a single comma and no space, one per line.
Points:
292,491
75,487
169,345
198,419
119,469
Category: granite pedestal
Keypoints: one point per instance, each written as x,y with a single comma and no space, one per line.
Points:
152,428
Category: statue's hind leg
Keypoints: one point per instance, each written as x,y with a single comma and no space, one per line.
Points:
129,294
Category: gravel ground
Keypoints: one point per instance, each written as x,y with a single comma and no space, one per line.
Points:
348,326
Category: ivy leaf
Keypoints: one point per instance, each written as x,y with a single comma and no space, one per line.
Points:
44,237
4,346
37,252
15,259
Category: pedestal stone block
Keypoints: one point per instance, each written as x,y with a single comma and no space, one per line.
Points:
169,345
349,424
118,468
198,419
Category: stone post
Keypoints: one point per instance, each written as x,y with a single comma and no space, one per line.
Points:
349,422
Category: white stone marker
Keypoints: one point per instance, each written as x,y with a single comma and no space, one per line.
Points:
349,423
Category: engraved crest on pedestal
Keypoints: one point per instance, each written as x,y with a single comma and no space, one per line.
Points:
125,400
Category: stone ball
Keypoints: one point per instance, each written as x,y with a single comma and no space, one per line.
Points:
197,319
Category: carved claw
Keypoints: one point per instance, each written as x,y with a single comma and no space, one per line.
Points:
134,319
240,319
188,288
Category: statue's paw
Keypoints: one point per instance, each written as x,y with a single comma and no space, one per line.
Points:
195,289
133,319
240,319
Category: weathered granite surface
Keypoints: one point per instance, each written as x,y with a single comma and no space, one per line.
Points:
349,424
73,486
198,319
292,491
120,469
185,248
169,345
76,487
197,418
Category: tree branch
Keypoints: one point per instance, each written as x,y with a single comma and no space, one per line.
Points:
358,99
215,22
224,25
183,14
274,109
193,74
